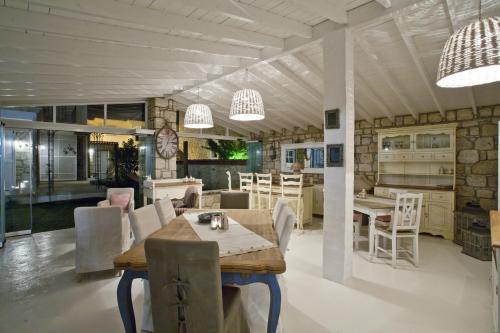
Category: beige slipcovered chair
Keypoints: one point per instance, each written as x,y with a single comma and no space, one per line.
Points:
278,207
119,190
234,200
284,227
186,289
189,201
100,236
165,210
144,222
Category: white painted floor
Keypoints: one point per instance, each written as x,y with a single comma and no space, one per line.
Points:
449,292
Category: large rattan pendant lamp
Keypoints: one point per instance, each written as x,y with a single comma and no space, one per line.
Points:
247,105
198,115
471,55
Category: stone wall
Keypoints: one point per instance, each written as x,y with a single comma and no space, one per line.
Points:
160,113
477,138
213,172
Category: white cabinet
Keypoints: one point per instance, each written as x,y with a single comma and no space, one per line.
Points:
318,198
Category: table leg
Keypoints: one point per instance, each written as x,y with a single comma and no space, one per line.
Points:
200,205
124,296
371,235
274,291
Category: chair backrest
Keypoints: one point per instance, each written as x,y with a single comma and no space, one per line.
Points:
229,186
278,208
144,222
119,190
393,192
291,186
264,188
246,181
190,197
284,227
234,200
185,283
165,210
99,237
407,211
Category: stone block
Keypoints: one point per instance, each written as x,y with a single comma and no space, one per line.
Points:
485,112
469,123
364,124
451,115
496,111
489,130
483,155
357,140
462,132
386,122
488,167
399,121
372,148
435,117
488,204
485,143
467,191
365,168
462,201
367,131
376,123
465,114
468,156
474,131
492,154
409,120
492,181
486,194
366,140
464,143
361,149
422,119
365,158
460,169
476,180
459,181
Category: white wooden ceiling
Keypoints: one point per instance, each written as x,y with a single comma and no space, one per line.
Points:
68,51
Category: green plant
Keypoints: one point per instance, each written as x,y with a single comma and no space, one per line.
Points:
228,150
127,158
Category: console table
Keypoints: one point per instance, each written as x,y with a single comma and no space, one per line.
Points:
175,188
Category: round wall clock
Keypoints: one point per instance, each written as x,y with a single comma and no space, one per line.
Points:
167,142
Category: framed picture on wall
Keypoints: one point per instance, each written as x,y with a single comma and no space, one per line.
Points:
335,155
332,119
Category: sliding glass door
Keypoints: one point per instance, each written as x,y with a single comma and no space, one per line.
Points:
2,192
17,169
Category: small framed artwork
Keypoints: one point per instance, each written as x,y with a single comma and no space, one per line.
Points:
332,119
335,155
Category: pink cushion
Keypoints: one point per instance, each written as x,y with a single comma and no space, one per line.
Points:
120,199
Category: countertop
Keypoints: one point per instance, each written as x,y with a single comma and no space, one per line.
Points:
417,187
495,228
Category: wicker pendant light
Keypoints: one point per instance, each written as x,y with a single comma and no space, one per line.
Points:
247,105
198,116
471,55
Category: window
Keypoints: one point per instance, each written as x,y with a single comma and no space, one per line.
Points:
37,113
126,115
80,114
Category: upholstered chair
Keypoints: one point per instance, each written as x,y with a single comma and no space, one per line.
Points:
115,194
234,200
189,201
165,210
280,204
100,237
186,289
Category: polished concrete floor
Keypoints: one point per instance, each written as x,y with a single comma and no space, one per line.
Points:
449,292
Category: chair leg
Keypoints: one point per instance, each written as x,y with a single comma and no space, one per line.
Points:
376,245
356,235
394,251
415,250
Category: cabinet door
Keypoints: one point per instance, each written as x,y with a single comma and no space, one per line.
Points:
318,201
437,140
394,143
439,215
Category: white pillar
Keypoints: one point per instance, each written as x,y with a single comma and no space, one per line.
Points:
339,181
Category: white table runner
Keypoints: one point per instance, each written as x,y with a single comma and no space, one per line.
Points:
236,240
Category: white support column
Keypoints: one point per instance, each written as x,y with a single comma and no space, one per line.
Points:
339,181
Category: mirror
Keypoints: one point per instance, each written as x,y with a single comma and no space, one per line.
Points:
310,155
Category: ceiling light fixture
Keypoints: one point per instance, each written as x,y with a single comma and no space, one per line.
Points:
247,105
470,56
198,115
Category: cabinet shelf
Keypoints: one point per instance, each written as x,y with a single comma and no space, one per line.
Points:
416,174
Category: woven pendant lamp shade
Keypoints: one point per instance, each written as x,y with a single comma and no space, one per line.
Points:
471,55
247,105
198,116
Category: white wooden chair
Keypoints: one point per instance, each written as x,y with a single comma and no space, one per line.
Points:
291,190
246,184
405,223
357,221
264,189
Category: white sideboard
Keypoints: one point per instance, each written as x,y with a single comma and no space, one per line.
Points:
155,189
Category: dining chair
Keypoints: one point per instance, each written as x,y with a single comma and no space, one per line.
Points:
144,221
291,190
189,201
165,210
278,207
234,200
246,184
357,221
386,219
405,224
284,227
186,289
264,189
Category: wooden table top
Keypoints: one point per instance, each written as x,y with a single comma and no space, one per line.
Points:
261,262
495,228
181,183
373,205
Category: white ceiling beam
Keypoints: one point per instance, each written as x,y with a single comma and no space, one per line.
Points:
412,49
326,8
249,14
368,92
35,42
362,112
307,63
283,69
66,100
84,86
210,136
385,3
217,114
452,27
150,18
27,20
375,61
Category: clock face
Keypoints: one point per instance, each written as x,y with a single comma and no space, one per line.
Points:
166,142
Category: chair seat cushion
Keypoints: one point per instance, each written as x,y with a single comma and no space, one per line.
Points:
120,199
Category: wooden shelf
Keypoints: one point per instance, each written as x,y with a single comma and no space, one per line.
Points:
416,174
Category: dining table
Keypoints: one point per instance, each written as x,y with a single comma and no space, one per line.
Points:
373,206
241,269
